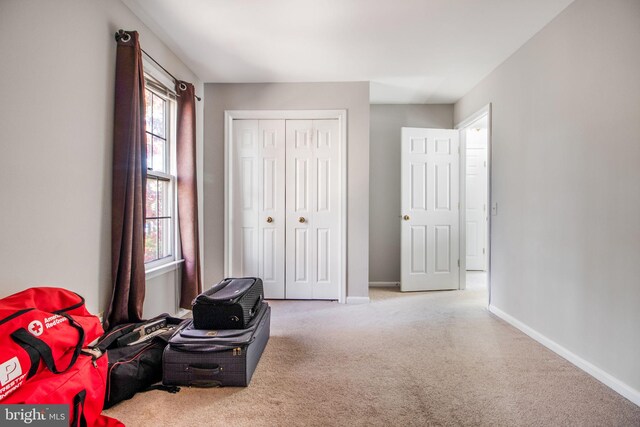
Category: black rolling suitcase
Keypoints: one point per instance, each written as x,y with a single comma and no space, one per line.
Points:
231,304
213,358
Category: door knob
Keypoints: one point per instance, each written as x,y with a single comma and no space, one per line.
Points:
406,218
301,219
269,219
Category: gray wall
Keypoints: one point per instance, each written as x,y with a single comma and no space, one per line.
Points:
56,117
384,176
354,97
566,177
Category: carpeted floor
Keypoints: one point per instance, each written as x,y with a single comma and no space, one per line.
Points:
432,358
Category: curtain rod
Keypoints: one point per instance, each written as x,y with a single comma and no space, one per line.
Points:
121,34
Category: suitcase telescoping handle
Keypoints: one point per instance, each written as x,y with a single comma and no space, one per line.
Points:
36,348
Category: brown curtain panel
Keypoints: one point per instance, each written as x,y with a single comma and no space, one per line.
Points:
187,193
129,180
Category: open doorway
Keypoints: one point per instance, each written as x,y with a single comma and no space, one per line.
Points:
475,136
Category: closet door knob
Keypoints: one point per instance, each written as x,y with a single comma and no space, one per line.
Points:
269,219
406,217
301,219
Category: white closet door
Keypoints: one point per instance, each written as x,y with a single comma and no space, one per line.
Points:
430,225
326,224
244,225
258,220
312,205
271,221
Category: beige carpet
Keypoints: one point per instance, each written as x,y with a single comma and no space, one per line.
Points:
433,358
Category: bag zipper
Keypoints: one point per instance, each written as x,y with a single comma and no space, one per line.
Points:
232,301
74,306
16,314
21,312
222,346
113,331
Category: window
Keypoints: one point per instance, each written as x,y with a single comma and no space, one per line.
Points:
160,238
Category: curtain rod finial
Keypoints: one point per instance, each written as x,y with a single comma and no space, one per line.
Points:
122,35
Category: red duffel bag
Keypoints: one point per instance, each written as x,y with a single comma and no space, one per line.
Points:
82,388
42,327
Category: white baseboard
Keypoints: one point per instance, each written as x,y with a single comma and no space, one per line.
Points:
357,300
383,284
607,379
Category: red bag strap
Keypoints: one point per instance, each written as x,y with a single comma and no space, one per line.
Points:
26,340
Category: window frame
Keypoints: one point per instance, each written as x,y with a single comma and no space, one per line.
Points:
159,86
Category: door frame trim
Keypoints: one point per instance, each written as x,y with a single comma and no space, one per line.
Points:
462,126
341,116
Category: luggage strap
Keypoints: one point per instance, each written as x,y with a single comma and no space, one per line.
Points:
36,348
173,389
112,336
255,307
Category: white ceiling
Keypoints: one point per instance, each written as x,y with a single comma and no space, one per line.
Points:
412,51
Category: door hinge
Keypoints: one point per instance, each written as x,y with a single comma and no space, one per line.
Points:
485,163
458,263
482,251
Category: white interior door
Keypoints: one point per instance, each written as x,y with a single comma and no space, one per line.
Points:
313,209
257,225
430,209
476,199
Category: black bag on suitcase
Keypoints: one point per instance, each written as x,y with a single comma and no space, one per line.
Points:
216,358
231,304
135,367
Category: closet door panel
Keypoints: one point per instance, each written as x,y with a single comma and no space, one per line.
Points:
300,183
326,215
245,198
271,216
313,200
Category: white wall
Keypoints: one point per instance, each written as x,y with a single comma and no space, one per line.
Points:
354,97
57,70
566,177
384,176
